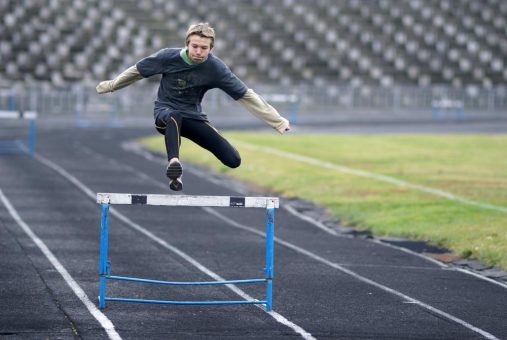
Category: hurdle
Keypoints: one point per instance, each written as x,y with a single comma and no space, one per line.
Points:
107,199
440,108
20,145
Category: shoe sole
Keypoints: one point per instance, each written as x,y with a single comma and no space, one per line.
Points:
174,170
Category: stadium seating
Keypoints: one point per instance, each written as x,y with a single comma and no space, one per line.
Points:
357,42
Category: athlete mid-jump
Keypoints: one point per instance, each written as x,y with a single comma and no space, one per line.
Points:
187,73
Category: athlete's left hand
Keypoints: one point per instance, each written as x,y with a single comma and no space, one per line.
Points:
104,87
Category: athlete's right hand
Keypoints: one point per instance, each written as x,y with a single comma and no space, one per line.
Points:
284,126
104,86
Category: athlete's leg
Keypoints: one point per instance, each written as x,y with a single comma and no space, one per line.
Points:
169,124
206,136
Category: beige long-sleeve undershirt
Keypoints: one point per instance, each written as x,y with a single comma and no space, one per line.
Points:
261,109
124,79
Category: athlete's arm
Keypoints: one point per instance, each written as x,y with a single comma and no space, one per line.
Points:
261,109
126,78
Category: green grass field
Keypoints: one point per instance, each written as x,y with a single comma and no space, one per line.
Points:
381,182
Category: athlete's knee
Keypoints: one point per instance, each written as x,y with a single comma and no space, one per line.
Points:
233,161
236,162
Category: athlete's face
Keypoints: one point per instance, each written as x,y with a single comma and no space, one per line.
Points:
198,48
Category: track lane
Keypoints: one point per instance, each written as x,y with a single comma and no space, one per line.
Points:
344,312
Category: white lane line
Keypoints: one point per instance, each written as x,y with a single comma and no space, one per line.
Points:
361,278
316,257
498,283
97,314
371,175
277,316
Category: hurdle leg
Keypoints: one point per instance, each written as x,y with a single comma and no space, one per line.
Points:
11,102
294,112
435,112
270,226
103,265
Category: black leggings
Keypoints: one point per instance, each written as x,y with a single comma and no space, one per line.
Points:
173,126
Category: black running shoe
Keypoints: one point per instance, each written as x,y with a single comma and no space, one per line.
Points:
176,184
174,172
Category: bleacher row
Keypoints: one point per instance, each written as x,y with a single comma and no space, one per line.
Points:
378,42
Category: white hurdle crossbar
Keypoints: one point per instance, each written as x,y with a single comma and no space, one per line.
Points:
16,145
106,199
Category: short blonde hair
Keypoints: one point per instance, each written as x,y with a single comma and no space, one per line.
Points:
202,29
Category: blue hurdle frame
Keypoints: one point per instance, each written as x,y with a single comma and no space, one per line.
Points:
105,270
21,145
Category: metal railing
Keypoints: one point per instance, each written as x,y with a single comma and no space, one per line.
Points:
302,104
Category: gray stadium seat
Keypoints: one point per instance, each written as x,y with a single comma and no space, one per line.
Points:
382,42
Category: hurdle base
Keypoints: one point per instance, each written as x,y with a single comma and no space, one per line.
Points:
169,302
102,302
14,147
181,283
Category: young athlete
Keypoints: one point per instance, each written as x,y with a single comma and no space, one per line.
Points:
187,73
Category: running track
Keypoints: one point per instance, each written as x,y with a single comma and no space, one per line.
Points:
325,286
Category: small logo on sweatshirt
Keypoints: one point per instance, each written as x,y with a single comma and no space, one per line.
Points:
181,83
